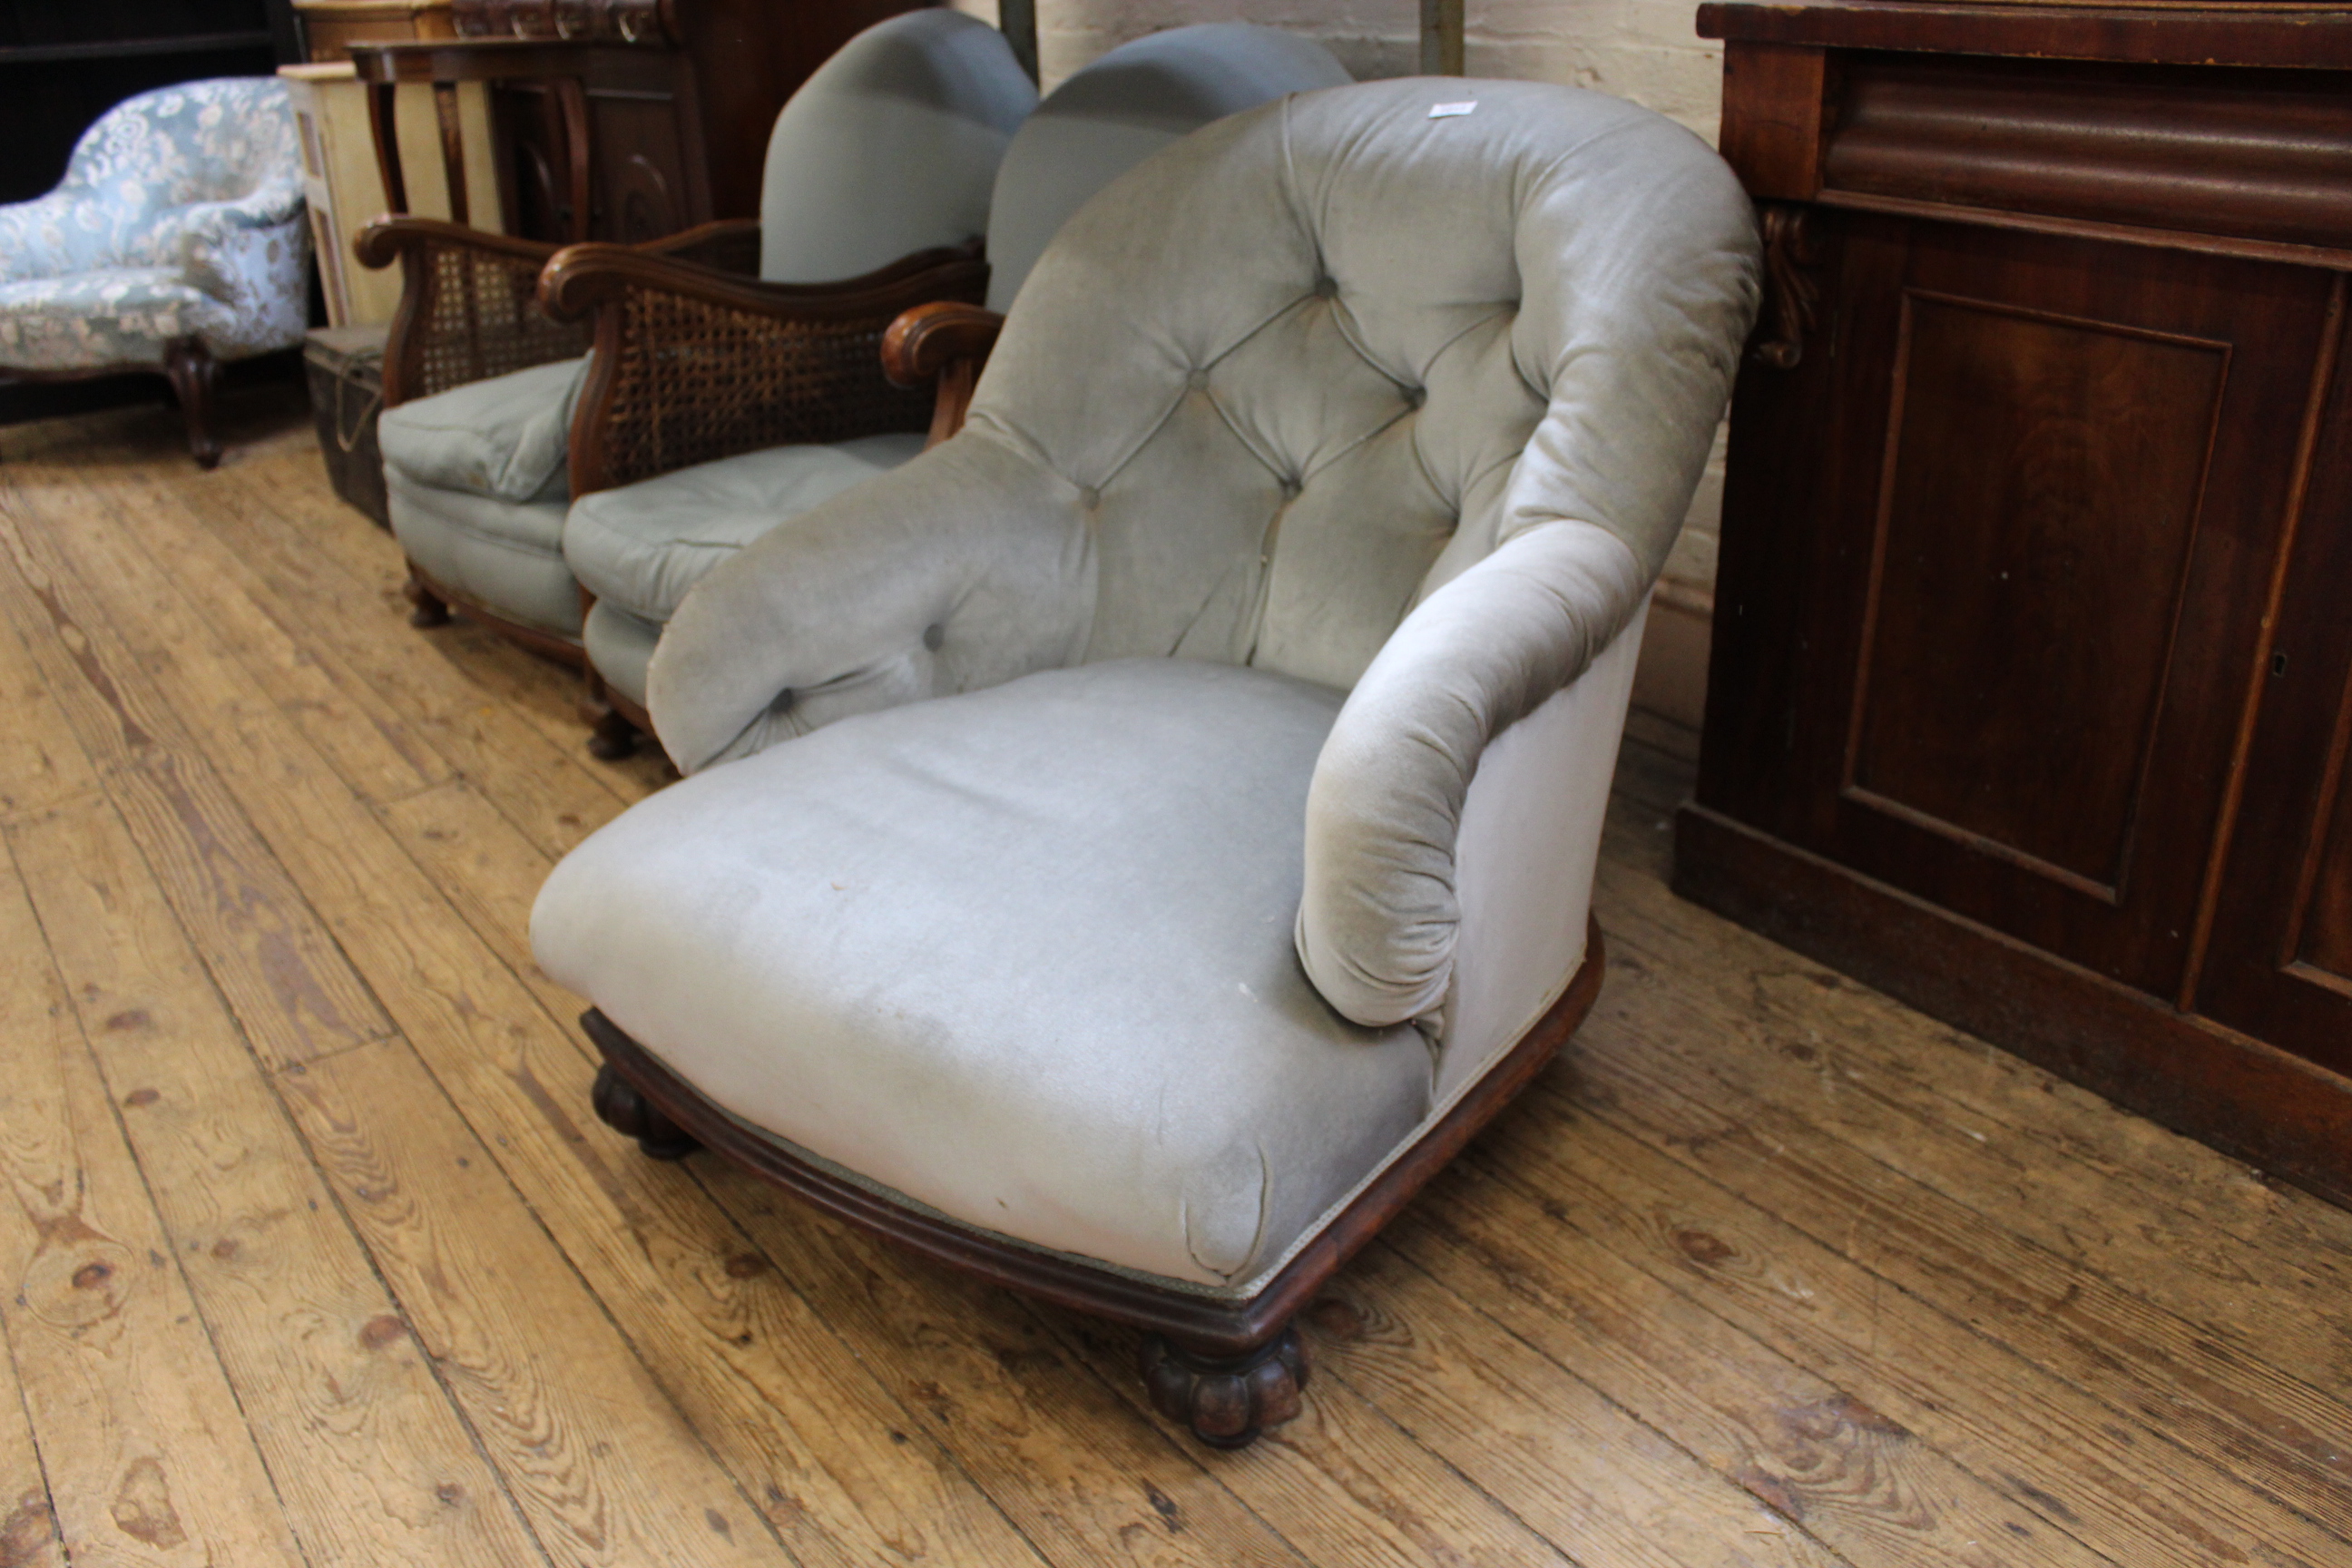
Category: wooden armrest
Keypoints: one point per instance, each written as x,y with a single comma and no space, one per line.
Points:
382,242
582,277
927,340
692,365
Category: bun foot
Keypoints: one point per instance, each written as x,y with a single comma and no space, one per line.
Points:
1226,1400
426,608
611,738
620,1106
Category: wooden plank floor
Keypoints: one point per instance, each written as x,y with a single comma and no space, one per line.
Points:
314,1255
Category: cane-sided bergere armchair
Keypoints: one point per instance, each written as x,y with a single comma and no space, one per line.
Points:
1127,848
638,548
174,243
727,338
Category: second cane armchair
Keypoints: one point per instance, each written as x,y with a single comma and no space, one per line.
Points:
729,337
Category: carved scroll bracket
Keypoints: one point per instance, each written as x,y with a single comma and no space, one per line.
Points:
1792,297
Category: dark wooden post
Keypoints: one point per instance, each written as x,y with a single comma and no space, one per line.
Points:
1018,19
1441,36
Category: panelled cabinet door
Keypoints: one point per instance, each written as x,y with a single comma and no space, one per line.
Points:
2030,604
2281,963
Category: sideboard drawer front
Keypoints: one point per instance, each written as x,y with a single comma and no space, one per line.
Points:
2261,155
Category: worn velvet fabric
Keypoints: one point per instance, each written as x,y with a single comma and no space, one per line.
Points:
179,216
1335,394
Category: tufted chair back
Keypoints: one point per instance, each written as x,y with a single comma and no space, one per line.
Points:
1297,371
139,169
889,147
1120,110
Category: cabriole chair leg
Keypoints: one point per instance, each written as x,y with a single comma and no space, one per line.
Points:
194,375
620,1106
1226,1400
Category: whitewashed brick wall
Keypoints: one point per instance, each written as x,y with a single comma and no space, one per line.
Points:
1642,49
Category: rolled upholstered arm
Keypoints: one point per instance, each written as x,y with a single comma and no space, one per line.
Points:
1379,912
967,567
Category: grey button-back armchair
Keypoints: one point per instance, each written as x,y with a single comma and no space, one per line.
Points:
1128,848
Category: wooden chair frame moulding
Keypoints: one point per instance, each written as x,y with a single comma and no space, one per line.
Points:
1226,1368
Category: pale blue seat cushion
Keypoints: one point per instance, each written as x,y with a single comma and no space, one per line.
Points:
1023,956
642,546
504,437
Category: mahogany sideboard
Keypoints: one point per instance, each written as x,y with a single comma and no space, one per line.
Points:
2031,686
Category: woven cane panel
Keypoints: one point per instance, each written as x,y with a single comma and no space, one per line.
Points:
481,320
697,382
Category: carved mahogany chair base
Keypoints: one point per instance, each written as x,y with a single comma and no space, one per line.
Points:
1227,1368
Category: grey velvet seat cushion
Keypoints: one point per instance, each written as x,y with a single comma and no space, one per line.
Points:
1021,955
505,555
642,546
504,437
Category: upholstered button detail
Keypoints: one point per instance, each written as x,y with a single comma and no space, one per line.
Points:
1414,396
1290,488
1327,288
1090,497
933,636
1198,380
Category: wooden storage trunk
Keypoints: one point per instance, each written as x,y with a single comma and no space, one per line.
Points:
344,366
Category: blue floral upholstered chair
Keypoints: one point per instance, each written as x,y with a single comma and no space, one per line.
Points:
174,242
1126,849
